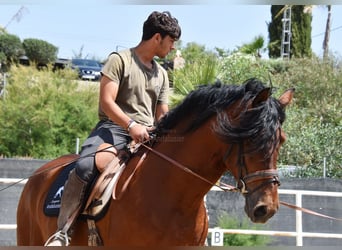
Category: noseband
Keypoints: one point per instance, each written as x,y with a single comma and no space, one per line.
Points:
267,176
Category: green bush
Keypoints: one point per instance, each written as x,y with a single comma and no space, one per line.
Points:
237,67
193,74
308,145
227,222
314,120
11,49
40,51
42,114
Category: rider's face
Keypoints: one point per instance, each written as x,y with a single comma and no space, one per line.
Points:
166,45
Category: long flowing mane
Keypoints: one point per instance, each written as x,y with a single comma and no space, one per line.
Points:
218,125
258,124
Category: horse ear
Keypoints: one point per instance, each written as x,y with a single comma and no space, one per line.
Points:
262,96
286,98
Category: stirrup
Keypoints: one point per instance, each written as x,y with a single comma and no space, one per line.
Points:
59,236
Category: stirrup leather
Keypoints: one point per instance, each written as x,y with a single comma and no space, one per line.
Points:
59,236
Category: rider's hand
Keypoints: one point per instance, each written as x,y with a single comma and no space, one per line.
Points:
139,133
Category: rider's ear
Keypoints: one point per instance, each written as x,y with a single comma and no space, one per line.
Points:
262,96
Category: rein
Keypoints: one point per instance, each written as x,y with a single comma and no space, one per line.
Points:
308,211
270,175
54,167
257,176
225,187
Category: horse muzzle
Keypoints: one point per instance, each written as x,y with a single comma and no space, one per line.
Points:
261,212
262,204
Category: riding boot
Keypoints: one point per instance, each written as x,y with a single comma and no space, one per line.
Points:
71,203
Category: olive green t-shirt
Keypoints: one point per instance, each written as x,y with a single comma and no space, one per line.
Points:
140,88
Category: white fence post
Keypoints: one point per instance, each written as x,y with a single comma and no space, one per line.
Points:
77,145
324,167
299,224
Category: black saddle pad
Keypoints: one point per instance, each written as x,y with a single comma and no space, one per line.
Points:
53,199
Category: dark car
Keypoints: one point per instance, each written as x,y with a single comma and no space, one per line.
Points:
87,69
60,64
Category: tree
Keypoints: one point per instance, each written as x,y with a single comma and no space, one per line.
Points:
10,48
301,32
2,58
327,34
275,32
194,51
200,68
253,48
301,18
39,51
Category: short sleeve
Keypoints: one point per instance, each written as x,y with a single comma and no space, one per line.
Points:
114,68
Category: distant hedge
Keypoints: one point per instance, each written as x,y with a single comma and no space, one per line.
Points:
314,119
43,113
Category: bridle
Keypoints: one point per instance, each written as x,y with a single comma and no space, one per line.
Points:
267,176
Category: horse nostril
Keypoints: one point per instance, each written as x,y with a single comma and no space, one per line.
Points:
260,211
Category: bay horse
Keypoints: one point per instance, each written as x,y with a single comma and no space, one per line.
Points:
217,128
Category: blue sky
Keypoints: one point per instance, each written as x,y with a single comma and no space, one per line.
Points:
101,27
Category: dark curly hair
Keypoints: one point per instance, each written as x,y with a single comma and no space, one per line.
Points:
162,23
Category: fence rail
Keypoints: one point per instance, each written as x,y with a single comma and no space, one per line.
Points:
218,239
299,234
13,180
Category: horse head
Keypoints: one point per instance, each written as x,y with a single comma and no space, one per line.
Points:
252,128
235,128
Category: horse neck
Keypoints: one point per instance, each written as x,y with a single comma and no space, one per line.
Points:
201,152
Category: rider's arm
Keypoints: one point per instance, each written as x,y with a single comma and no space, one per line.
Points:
108,93
161,110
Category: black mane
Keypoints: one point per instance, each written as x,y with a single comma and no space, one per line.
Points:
258,125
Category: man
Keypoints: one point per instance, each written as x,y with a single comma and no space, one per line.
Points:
133,96
178,61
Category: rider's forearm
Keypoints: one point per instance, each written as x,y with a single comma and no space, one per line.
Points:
115,113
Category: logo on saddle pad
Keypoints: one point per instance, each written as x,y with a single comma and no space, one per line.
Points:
59,193
55,203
